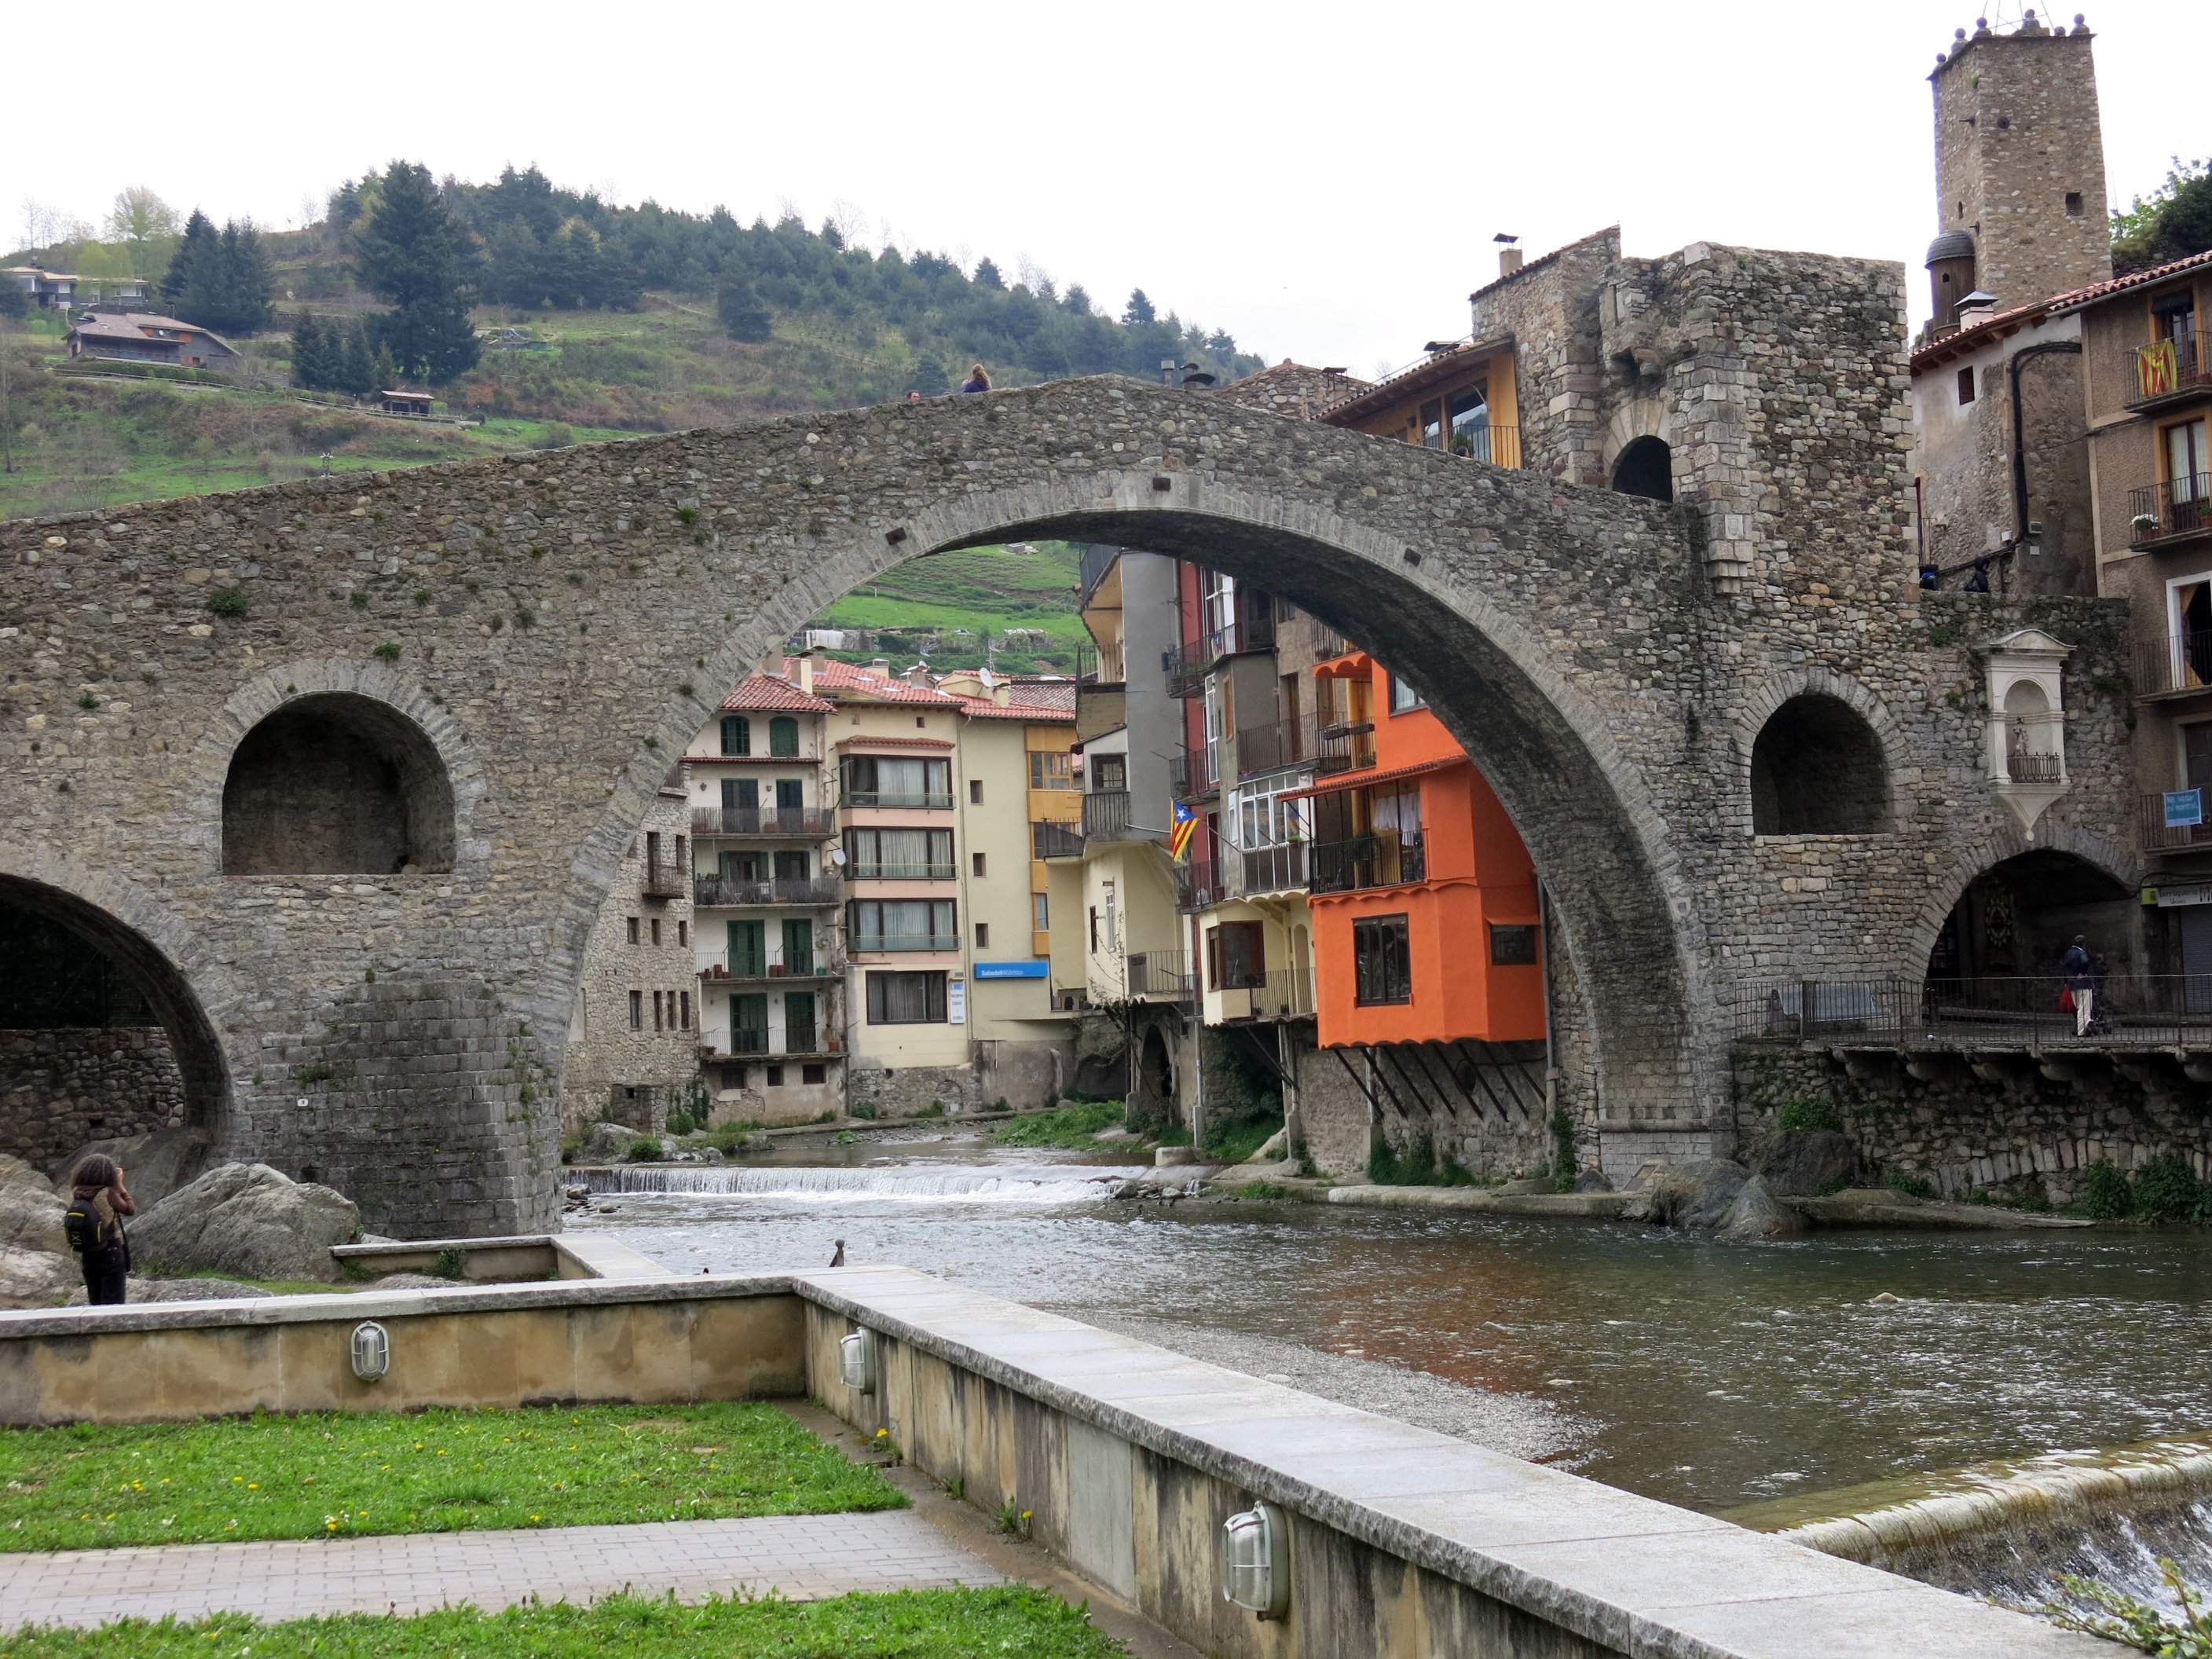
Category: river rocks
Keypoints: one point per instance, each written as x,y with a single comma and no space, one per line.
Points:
1803,1163
34,1278
154,1164
30,1210
251,1220
605,1143
1715,1196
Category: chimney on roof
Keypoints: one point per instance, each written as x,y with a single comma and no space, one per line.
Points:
1509,253
880,666
806,673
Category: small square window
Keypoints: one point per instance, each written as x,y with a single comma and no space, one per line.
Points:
775,1077
733,1077
982,935
683,932
922,720
1511,945
974,791
976,859
633,929
814,1073
2073,203
1965,385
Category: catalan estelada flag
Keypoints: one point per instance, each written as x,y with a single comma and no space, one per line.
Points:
1184,826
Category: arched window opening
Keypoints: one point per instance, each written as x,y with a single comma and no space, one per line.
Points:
1817,769
93,1016
783,738
337,785
1645,468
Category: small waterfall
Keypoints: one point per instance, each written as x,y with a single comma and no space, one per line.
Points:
2014,1532
894,1184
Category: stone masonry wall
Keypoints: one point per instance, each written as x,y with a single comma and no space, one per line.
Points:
61,1087
2015,1130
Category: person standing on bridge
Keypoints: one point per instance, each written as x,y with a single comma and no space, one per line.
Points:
92,1225
977,381
2080,982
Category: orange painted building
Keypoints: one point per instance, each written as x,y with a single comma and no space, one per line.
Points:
1425,924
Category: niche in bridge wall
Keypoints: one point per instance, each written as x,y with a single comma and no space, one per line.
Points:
336,784
1645,468
2028,721
1817,769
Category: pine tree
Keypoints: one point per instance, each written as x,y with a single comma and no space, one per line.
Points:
310,354
194,277
358,369
1139,312
248,284
739,306
413,253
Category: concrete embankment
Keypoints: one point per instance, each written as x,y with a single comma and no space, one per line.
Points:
1602,1206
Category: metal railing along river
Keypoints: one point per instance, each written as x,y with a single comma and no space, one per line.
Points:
2030,1011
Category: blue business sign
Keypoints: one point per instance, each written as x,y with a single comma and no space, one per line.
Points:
1010,969
2184,809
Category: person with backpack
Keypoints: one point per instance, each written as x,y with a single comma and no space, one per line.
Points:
92,1225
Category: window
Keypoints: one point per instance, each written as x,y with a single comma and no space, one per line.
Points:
873,781
633,929
798,1035
798,947
1433,424
733,1077
2073,203
1467,417
684,998
1051,771
974,791
1041,918
783,738
903,925
737,735
657,1017
1645,468
1403,698
749,1024
637,1010
1817,769
814,1072
656,930
741,794
1382,960
982,935
775,1077
1236,956
906,999
1511,945
975,861
1966,385
899,855
683,933
1109,772
1263,818
1094,929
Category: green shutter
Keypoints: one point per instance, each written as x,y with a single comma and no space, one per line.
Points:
798,946
748,950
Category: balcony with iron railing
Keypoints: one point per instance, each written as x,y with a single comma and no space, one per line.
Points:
1190,663
1198,885
1275,869
799,1042
1190,774
2169,1011
2171,372
1099,665
1056,841
2181,507
881,943
1380,860
1106,818
809,823
1278,994
1162,976
1275,747
2174,666
2165,821
772,968
662,878
738,893
1343,748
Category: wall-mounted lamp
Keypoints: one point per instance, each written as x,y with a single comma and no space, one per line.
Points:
372,1351
1255,1561
856,1361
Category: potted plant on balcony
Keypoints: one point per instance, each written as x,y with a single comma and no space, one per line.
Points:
2144,523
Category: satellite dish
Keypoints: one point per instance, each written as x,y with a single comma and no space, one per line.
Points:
837,857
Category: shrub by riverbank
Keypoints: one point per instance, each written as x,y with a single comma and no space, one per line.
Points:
1072,1128
953,1624
325,1474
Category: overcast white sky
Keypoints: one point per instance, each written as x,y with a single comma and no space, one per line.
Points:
1323,180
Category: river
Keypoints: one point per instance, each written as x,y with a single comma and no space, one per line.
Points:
1707,1375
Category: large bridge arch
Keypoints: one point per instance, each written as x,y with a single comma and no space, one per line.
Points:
560,623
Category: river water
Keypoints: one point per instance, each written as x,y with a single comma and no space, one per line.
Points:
1708,1375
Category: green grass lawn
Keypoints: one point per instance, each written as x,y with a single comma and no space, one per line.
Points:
335,1473
956,1623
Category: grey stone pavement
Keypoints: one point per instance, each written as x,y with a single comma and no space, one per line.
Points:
800,1556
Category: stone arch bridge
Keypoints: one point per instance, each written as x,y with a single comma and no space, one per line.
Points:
546,631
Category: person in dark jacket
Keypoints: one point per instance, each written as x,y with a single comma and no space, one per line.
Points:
2079,970
977,381
94,1224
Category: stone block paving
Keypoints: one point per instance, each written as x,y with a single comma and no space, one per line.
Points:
799,1557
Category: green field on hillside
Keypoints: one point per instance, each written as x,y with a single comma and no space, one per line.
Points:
983,590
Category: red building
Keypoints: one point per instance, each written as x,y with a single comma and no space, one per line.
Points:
1426,921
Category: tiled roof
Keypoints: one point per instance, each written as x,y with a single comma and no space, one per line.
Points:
865,685
1999,324
894,743
1041,713
141,325
757,691
1437,367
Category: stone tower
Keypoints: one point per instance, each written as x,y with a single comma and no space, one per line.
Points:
2020,167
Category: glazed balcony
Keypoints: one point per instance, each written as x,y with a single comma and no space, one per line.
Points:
798,822
2169,512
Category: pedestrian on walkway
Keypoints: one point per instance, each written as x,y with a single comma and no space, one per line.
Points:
92,1225
2080,983
977,381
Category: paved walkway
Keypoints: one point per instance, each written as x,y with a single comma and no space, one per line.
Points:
800,1556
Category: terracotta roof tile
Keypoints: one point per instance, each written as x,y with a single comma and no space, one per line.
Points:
759,691
865,684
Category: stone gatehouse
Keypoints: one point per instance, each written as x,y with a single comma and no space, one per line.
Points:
514,650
